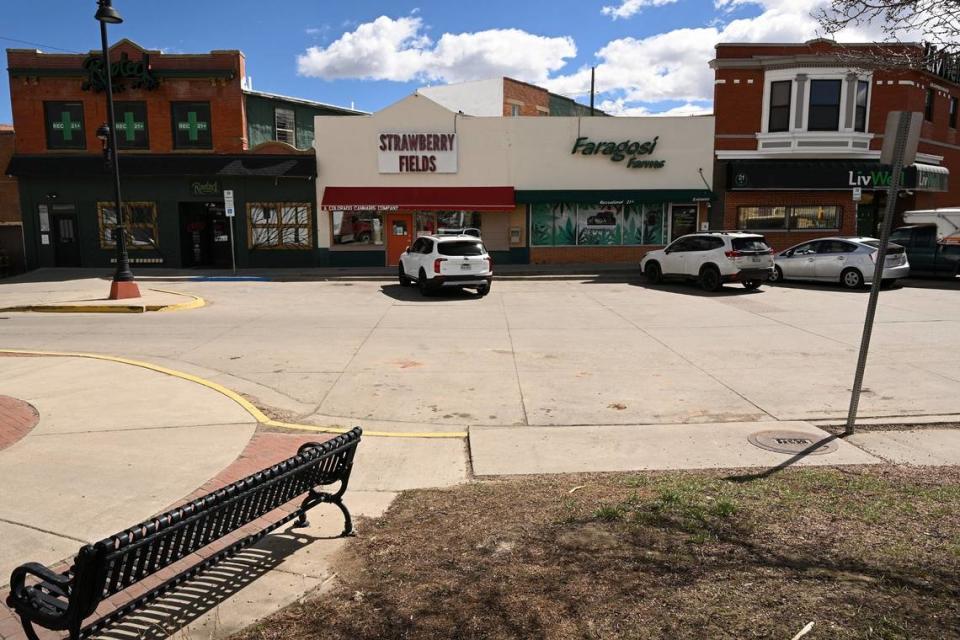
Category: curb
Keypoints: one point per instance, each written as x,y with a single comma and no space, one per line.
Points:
195,302
248,406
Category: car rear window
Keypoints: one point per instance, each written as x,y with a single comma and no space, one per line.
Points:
891,247
750,244
464,248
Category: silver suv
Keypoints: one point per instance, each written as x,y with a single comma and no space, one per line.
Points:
712,259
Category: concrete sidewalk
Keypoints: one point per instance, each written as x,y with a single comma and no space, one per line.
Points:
87,295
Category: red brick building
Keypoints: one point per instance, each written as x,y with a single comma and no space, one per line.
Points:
190,129
11,227
799,126
503,96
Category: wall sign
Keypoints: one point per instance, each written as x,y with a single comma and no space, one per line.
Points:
417,152
64,125
131,118
629,150
139,73
204,188
191,125
830,175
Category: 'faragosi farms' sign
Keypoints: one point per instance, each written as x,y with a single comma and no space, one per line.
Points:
417,152
629,150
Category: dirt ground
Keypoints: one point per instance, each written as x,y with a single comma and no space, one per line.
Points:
865,552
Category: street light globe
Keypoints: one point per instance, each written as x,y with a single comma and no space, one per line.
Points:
106,13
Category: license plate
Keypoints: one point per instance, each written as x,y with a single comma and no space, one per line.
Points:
755,259
465,266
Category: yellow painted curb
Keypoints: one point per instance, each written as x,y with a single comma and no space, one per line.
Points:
248,406
195,302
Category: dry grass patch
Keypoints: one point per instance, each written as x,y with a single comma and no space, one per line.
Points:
867,552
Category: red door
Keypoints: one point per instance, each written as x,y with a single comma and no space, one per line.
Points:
399,236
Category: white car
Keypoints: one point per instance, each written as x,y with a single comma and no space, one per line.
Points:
444,261
712,259
849,261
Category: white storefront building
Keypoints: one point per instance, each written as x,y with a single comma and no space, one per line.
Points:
542,190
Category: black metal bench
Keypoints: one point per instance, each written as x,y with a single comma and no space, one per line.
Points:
62,601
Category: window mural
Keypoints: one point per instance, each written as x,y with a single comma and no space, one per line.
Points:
566,224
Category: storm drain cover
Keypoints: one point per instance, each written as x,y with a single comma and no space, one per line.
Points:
794,442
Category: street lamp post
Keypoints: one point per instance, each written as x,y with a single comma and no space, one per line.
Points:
123,285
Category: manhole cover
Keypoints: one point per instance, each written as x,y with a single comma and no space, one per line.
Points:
794,442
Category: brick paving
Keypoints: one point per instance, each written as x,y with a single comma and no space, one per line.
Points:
17,418
264,449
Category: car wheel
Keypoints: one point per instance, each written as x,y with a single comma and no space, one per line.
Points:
776,275
710,279
653,273
422,283
851,278
483,289
404,280
751,284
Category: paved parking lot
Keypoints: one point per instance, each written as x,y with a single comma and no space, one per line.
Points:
539,352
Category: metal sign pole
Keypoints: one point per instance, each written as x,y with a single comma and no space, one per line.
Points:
233,249
899,149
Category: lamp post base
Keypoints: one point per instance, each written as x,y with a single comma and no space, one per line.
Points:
124,290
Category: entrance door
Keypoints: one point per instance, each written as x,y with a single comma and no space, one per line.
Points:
204,235
683,220
399,236
66,246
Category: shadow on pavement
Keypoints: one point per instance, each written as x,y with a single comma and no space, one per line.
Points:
186,603
693,289
748,477
412,294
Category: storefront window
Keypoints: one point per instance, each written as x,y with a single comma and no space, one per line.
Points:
357,229
598,224
797,218
430,222
131,120
191,125
566,224
141,219
280,225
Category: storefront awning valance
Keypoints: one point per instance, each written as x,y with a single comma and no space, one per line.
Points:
620,196
272,166
830,175
418,198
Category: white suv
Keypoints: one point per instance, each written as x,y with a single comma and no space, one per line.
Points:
436,262
712,259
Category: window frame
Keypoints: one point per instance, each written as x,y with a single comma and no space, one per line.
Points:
861,112
104,226
174,105
81,144
279,225
292,130
811,105
771,106
954,106
788,218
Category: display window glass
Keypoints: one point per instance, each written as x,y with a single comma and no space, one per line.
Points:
357,229
431,222
568,224
279,225
141,224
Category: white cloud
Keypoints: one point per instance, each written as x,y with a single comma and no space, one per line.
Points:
399,50
629,8
635,73
619,107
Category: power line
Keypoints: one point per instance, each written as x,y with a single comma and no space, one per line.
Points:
37,44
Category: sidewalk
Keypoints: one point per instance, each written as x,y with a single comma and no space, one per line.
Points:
43,291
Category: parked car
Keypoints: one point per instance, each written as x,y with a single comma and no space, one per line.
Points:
849,261
602,219
712,259
932,241
444,261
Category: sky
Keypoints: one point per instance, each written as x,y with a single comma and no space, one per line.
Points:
651,55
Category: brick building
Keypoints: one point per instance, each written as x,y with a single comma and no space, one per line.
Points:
503,96
798,126
189,128
11,228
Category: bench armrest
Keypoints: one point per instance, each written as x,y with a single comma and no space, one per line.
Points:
19,575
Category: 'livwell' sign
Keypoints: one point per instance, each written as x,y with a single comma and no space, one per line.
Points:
417,152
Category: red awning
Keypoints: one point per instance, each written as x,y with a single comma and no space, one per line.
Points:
418,198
